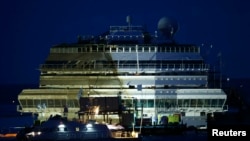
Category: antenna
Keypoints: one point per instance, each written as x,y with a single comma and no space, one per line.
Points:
128,20
220,55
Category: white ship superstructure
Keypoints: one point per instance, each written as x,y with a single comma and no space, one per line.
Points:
148,72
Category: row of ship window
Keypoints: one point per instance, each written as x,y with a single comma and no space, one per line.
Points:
98,64
148,103
189,78
48,103
168,103
124,49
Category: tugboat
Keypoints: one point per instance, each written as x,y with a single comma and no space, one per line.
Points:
58,128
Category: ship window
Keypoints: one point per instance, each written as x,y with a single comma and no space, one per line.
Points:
180,102
84,49
155,49
145,103
63,50
214,102
79,50
170,66
94,48
71,103
171,102
150,103
113,49
141,103
23,103
107,49
200,103
193,103
220,102
139,49
58,103
51,103
138,104
128,102
195,49
207,102
167,49
37,102
159,103
133,49
159,48
177,49
186,103
71,50
100,49
88,49
44,103
162,49
126,49
58,50
203,114
76,104
120,49
63,102
146,49
53,50
182,49
30,103
192,49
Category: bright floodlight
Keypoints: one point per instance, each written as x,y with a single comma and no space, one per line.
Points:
89,125
61,127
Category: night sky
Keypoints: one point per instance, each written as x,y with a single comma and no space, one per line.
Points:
28,28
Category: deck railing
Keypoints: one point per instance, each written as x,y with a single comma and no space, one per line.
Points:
147,67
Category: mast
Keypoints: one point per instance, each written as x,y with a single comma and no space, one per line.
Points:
137,59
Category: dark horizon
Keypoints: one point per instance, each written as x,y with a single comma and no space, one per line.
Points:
29,29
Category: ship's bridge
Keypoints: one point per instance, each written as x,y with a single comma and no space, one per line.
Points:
128,34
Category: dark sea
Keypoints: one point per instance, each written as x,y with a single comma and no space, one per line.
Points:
9,117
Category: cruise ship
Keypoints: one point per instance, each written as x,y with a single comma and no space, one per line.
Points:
123,75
